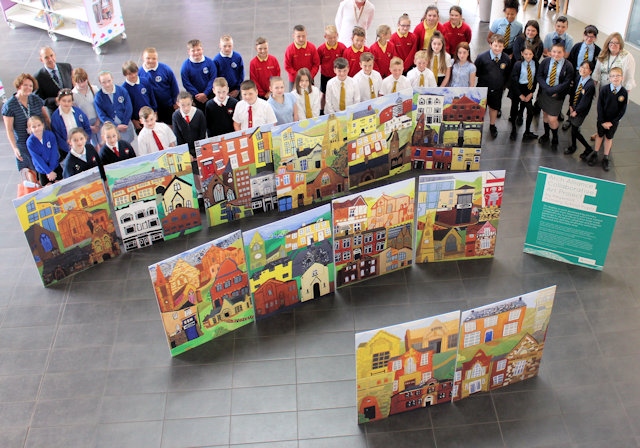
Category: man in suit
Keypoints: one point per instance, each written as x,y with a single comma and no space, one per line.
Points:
52,78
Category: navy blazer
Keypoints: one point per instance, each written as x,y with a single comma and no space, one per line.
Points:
491,74
573,56
563,79
515,88
583,106
612,107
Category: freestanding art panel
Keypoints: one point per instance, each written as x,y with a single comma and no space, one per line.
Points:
68,225
458,215
290,260
203,293
154,197
373,232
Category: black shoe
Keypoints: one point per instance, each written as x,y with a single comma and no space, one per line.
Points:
560,117
499,113
566,125
570,150
605,164
493,130
592,159
529,136
519,121
512,136
585,153
554,141
544,139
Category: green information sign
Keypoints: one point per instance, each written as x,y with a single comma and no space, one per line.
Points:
572,217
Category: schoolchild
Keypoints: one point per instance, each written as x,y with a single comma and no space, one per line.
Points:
82,155
463,70
508,27
429,24
455,30
580,99
404,41
154,136
396,81
530,36
163,83
219,110
139,90
328,52
300,54
307,95
66,117
612,105
283,103
229,65
382,51
189,123
197,73
559,36
83,97
114,149
438,60
342,90
367,79
44,153
421,75
352,53
114,104
523,85
263,67
251,111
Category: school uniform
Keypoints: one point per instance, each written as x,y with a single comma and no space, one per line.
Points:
261,112
76,163
368,89
518,45
423,34
390,82
219,116
141,94
493,75
405,48
147,143
297,57
553,38
197,77
59,126
436,69
611,108
108,155
382,57
327,57
261,71
332,96
551,98
116,108
520,86
314,103
164,87
580,100
284,110
428,78
578,52
453,35
44,155
499,26
190,132
353,56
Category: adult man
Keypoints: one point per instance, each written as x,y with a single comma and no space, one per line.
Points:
52,78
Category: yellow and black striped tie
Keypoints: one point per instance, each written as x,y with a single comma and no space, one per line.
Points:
552,75
577,94
507,36
372,91
586,55
529,77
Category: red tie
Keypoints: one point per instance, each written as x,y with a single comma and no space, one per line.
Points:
157,139
115,150
186,118
250,117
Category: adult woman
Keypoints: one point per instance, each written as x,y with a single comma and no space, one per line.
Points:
531,35
15,113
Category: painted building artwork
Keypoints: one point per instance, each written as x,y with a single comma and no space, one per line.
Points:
502,343
68,226
290,260
447,128
154,197
373,232
406,367
203,293
458,215
237,174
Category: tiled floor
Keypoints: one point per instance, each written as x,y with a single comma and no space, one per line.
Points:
85,363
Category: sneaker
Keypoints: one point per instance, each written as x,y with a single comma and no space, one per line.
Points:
586,153
605,164
544,139
592,159
566,125
570,150
512,136
519,120
493,130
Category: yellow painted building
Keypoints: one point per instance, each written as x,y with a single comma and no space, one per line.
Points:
465,159
439,336
372,356
175,163
307,235
45,214
280,270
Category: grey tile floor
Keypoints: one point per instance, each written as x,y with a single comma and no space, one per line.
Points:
85,363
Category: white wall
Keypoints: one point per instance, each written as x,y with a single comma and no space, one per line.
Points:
608,15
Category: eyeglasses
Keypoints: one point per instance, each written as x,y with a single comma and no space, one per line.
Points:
614,42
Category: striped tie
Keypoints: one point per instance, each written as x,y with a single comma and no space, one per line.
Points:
552,75
586,55
507,36
615,90
395,85
421,79
307,105
343,97
372,91
529,77
577,94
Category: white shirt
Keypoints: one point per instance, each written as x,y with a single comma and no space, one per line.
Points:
69,119
314,99
147,144
414,78
332,95
261,112
364,87
349,15
387,84
85,102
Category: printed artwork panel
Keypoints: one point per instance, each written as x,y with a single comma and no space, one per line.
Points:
154,197
237,174
502,343
406,367
373,232
458,215
290,260
203,293
68,225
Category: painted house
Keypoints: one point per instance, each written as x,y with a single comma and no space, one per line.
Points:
273,295
521,363
357,270
369,170
178,288
216,192
366,146
177,193
465,159
485,244
75,195
326,183
280,270
138,187
181,219
494,322
463,108
363,122
42,242
429,158
349,216
389,211
307,235
353,246
391,259
181,326
456,207
474,376
231,285
432,107
75,227
139,224
396,116
314,282
447,243
438,337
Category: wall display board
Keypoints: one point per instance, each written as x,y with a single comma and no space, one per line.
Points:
237,174
457,215
68,226
373,232
502,343
203,293
154,197
573,217
447,128
406,367
290,260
